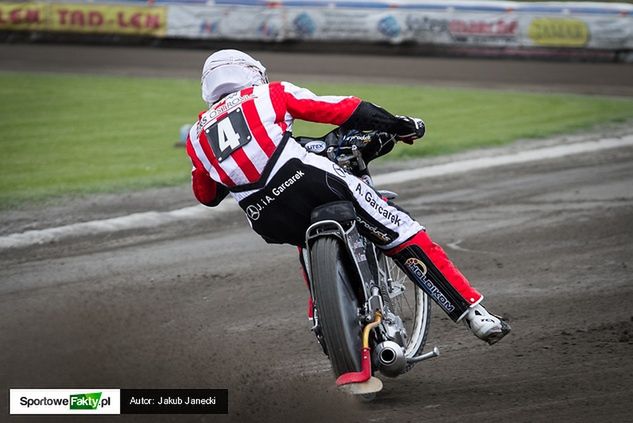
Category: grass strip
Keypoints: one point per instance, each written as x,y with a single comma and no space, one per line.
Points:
74,134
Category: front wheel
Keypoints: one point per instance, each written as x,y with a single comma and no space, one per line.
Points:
336,304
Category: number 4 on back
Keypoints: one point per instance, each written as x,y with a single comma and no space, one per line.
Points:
228,134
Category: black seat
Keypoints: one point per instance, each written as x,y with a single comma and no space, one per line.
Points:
340,211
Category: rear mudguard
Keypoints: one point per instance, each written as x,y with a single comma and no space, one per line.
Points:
356,247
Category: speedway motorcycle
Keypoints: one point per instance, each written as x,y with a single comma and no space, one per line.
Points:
368,316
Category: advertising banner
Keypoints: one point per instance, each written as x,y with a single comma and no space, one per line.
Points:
109,19
558,32
600,32
86,18
476,24
484,29
222,22
344,25
22,16
555,25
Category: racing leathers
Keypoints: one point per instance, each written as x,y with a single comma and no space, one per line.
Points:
243,146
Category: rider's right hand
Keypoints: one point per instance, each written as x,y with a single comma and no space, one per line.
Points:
415,129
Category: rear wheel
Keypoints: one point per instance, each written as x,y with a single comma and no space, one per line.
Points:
337,305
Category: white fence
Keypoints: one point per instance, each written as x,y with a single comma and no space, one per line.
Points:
565,25
501,24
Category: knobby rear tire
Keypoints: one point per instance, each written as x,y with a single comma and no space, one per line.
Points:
336,304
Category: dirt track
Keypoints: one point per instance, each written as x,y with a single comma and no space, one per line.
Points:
548,243
588,78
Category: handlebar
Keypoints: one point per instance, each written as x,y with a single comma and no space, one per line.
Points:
352,150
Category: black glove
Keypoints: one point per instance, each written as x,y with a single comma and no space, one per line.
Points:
414,129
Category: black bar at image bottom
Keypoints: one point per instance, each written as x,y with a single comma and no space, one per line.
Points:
174,401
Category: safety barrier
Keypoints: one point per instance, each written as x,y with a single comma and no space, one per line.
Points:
563,25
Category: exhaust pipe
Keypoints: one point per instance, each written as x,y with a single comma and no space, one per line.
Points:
389,358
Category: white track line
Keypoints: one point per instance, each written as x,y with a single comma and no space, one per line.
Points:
99,227
504,160
153,218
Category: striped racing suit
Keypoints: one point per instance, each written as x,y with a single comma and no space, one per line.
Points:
243,146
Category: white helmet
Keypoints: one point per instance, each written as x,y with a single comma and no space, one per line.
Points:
228,71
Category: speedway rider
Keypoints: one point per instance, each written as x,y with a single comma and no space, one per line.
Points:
243,145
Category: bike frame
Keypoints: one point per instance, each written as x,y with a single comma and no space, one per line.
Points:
370,269
360,251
